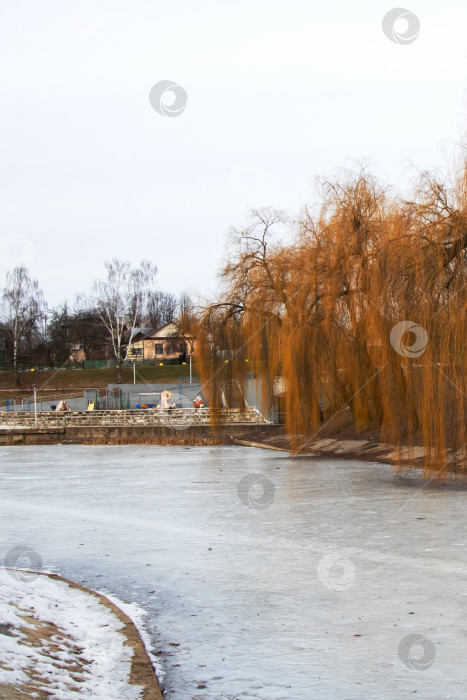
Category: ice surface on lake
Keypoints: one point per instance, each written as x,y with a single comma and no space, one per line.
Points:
313,589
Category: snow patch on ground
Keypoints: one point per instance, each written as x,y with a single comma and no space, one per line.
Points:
60,640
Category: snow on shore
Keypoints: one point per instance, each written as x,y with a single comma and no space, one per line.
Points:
57,639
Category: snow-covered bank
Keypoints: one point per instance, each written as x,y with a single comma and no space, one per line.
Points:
59,640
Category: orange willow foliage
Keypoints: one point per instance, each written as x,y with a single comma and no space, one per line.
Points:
318,312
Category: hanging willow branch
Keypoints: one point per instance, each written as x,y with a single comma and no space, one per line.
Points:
317,313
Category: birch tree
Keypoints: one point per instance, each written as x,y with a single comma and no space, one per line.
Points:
120,299
22,305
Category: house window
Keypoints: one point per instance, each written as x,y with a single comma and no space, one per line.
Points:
137,351
159,349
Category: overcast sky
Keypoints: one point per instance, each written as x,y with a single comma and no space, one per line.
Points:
277,93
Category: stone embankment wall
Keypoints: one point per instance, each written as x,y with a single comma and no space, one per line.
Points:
180,426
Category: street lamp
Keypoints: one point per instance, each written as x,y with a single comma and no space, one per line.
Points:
35,405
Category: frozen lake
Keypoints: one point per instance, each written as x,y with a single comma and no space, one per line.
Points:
315,578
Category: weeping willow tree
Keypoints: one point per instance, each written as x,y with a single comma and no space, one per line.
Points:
362,309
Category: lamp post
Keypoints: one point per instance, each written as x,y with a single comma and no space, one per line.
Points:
35,406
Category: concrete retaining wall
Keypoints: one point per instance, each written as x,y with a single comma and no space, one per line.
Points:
178,417
123,434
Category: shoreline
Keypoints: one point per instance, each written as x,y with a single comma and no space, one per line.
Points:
357,448
339,444
141,670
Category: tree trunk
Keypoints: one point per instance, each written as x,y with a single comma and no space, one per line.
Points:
15,359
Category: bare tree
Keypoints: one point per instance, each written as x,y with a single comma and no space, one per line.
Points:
119,300
186,320
22,305
160,309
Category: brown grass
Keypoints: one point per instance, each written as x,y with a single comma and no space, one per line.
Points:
189,440
64,380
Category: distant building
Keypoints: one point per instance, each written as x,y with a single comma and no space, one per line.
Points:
164,343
